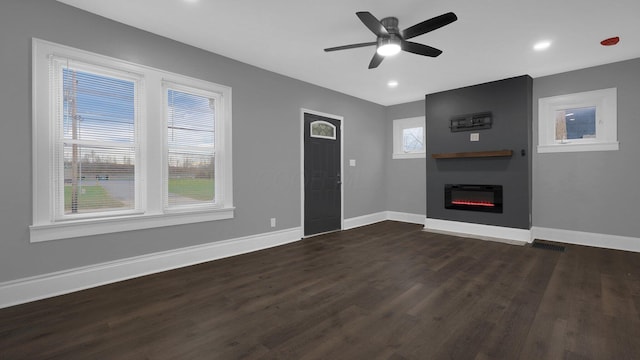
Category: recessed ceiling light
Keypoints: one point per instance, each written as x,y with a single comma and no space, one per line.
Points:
392,83
542,45
191,1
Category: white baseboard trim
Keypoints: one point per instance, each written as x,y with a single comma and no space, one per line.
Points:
589,239
479,231
44,286
406,217
364,220
358,221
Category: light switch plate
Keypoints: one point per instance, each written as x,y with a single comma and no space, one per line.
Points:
352,162
474,137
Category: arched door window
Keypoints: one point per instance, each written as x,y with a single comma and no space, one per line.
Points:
322,129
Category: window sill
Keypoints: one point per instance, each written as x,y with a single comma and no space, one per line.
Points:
408,156
610,146
70,229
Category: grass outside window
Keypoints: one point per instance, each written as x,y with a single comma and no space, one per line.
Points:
92,197
198,189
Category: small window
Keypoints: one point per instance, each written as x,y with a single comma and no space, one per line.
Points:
413,139
323,130
575,124
408,138
578,122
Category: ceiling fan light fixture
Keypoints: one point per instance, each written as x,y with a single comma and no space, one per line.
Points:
388,47
390,40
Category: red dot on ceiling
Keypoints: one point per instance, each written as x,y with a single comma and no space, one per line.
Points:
610,41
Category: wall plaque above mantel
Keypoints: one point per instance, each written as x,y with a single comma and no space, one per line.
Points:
471,122
473,154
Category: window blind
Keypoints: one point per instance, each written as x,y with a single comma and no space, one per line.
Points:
96,140
191,148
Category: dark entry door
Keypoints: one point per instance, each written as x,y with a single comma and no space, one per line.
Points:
322,178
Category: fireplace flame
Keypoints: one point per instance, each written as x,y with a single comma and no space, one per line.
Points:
473,203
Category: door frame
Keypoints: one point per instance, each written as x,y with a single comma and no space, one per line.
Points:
342,175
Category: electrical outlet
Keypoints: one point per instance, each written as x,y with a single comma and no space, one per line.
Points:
273,222
474,137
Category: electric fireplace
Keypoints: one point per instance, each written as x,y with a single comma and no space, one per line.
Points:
487,198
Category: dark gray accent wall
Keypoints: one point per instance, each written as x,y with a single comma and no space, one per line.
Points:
266,140
595,191
405,177
509,101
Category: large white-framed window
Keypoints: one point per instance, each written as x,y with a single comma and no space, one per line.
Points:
119,146
409,138
585,121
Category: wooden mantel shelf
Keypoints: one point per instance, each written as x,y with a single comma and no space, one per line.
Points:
473,154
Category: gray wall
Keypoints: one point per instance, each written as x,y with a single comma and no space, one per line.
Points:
405,177
266,145
509,101
595,191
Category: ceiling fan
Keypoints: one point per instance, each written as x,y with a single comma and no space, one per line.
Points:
390,40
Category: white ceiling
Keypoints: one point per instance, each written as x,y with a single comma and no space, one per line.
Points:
491,40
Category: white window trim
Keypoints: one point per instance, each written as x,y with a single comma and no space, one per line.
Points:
605,101
398,126
150,210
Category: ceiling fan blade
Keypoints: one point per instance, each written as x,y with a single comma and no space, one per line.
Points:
429,25
352,46
375,61
372,23
420,49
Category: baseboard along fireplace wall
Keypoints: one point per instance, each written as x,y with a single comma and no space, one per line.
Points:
481,175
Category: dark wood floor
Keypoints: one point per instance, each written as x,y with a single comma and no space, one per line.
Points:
385,291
